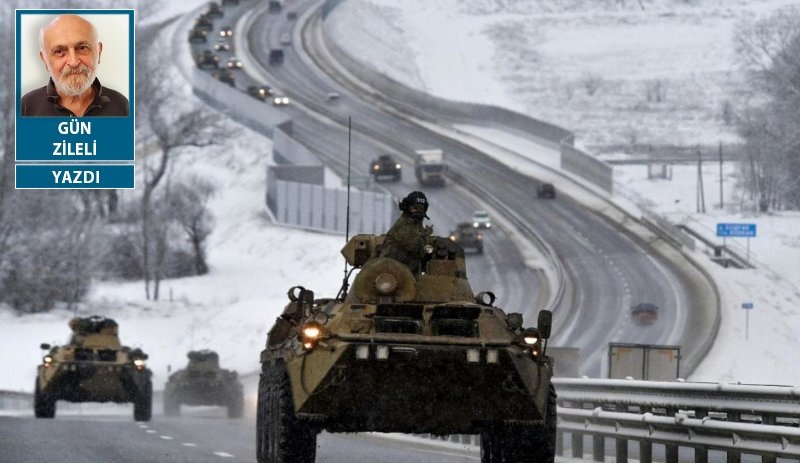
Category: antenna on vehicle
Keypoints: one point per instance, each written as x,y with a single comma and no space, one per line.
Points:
345,284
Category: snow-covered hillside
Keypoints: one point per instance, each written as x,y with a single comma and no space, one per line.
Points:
616,72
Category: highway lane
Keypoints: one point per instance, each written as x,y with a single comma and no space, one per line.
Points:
204,435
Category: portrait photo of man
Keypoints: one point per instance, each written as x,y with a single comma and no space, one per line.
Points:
71,51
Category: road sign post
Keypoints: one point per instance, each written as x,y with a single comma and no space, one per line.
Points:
737,230
747,306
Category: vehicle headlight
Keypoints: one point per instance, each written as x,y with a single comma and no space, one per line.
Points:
310,334
139,364
375,167
47,360
532,339
397,166
475,224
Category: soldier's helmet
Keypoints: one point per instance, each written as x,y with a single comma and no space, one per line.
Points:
416,200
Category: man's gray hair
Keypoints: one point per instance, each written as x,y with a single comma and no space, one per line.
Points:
41,31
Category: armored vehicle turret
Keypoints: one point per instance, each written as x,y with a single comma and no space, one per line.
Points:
203,382
93,367
406,352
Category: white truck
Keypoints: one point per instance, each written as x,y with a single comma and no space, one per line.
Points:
429,167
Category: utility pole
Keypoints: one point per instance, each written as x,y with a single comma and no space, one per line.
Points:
721,198
701,199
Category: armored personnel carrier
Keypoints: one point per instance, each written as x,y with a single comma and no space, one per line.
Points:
203,382
93,367
400,352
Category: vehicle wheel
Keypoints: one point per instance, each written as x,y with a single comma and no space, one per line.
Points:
44,406
280,436
504,444
544,436
236,405
143,404
171,406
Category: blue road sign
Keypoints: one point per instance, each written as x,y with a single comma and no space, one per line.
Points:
747,305
742,230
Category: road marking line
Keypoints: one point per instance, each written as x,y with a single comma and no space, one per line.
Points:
166,437
223,454
189,444
142,426
151,431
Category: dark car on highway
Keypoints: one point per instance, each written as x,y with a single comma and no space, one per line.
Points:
644,313
260,92
469,238
386,166
207,60
215,10
198,36
546,191
204,23
226,76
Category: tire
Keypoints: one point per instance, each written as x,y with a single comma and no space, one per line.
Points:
280,436
509,444
236,405
143,404
171,406
44,406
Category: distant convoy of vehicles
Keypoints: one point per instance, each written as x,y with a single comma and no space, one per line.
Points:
209,60
93,366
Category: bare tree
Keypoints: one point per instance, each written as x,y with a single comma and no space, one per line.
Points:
189,208
769,50
173,125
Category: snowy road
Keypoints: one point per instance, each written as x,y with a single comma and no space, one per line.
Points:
203,438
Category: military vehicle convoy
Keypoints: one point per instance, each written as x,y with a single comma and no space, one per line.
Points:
400,352
93,367
203,382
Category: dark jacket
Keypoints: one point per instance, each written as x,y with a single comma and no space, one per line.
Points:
44,102
405,241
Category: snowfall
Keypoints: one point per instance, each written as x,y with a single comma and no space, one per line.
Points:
530,56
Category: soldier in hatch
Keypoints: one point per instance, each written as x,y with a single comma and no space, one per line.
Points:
406,239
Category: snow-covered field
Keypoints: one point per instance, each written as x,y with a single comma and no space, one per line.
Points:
532,56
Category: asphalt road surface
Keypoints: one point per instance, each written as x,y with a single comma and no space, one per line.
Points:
203,436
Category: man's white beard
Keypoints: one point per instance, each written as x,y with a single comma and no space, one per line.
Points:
74,81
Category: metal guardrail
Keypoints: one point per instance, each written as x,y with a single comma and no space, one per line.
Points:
731,418
10,400
736,419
